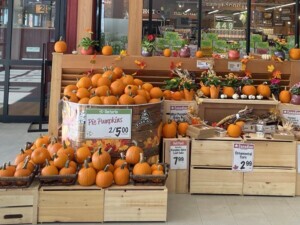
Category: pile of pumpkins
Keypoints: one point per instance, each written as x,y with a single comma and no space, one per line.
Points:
171,129
56,158
112,87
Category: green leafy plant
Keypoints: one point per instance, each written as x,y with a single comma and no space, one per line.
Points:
149,43
209,77
295,89
87,42
234,46
183,80
231,80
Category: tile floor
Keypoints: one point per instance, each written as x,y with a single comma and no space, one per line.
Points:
189,209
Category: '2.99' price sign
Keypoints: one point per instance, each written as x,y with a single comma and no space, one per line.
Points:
178,154
108,123
243,154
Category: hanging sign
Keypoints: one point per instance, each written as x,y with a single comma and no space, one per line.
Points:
243,155
108,123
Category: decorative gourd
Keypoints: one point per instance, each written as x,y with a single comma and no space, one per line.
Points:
264,90
133,154
20,157
121,175
249,90
67,169
60,46
141,168
169,130
234,130
82,153
49,170
285,96
182,128
40,155
100,159
86,175
119,162
104,178
294,53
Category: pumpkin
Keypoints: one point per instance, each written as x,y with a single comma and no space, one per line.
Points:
84,82
167,95
49,170
139,99
67,150
30,165
143,93
133,154
285,96
131,90
199,54
20,157
23,172
104,81
4,172
95,79
82,154
138,82
42,140
294,53
120,161
154,100
234,130
107,50
53,147
84,101
249,90
100,159
127,79
182,128
264,90
188,95
156,92
71,97
96,100
158,171
111,168
126,100
86,175
73,164
109,74
60,161
176,96
104,178
229,91
117,88
40,155
60,46
102,90
10,167
121,175
240,123
70,88
142,167
110,100
155,167
169,130
67,169
118,71
167,52
83,93
205,90
147,86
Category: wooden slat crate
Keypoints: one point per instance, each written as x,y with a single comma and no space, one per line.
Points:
297,171
206,180
19,206
178,180
177,110
270,181
135,203
70,204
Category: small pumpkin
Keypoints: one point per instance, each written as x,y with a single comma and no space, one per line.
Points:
142,167
155,166
182,128
234,130
107,50
167,94
60,161
82,154
40,155
169,130
20,157
158,171
70,88
104,178
42,140
120,161
4,172
71,97
96,100
199,54
147,86
126,100
229,91
30,165
66,150
131,90
127,79
110,100
121,175
117,87
285,96
156,92
139,99
23,172
294,53
100,159
86,175
176,96
84,82
109,74
133,154
167,52
83,93
54,147
95,79
249,90
60,46
49,170
264,90
118,71
10,167
67,169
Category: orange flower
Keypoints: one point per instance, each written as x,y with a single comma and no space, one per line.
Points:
140,64
276,74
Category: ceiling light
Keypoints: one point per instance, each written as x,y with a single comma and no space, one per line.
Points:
238,13
186,11
280,6
215,11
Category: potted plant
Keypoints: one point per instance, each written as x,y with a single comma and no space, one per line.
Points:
87,44
295,91
280,48
213,82
233,52
231,84
148,45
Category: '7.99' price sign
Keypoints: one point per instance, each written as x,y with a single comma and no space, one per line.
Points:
108,123
243,154
178,154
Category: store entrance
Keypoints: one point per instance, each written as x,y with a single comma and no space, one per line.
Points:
27,29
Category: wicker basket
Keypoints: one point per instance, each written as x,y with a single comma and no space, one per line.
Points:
58,180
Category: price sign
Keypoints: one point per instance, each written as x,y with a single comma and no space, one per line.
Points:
234,66
224,25
178,154
204,64
108,123
243,154
41,8
292,115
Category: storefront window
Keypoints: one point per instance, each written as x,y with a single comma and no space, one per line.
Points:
114,27
3,26
223,23
2,77
272,20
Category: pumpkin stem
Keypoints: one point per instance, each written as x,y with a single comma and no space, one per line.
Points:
89,159
28,145
22,151
123,165
8,164
106,168
108,93
25,164
44,146
135,142
122,155
4,166
296,45
55,156
141,157
67,164
47,162
86,164
99,150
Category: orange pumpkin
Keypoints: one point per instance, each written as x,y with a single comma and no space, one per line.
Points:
67,150
264,90
240,123
102,90
133,154
49,170
294,53
42,140
53,147
229,91
285,96
156,92
147,86
104,81
39,155
96,100
67,169
167,52
82,154
176,96
158,171
120,161
86,175
60,161
142,167
169,130
131,90
12,168
110,74
121,175
70,88
138,82
4,172
118,71
117,88
71,97
199,54
139,99
167,95
234,130
24,172
83,93
60,46
30,165
104,178
182,128
249,90
127,79
95,79
154,100
107,50
20,157
110,100
100,159
126,100
84,82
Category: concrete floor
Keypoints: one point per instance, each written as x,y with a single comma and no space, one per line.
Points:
188,209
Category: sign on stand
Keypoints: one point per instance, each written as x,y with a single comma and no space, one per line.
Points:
108,123
243,154
292,115
178,155
235,66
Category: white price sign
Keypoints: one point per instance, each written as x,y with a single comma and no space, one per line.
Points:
292,115
108,123
178,154
178,112
243,154
235,66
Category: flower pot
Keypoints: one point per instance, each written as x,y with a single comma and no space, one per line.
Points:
185,52
89,51
146,53
214,91
233,54
295,99
280,54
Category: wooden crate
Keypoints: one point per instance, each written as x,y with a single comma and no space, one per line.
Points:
177,110
19,206
298,169
213,110
206,180
178,180
290,112
70,204
270,181
135,203
212,151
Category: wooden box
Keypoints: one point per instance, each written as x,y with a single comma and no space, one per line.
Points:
298,169
135,203
213,110
205,180
212,152
178,180
177,110
270,181
19,206
70,204
290,112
